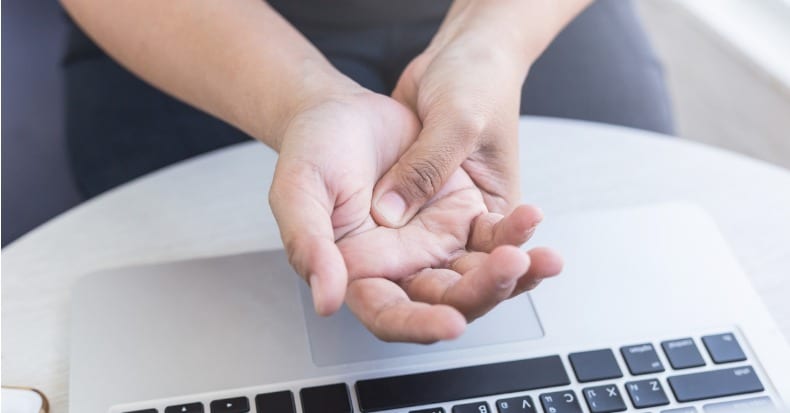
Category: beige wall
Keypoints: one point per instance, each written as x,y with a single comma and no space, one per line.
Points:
720,96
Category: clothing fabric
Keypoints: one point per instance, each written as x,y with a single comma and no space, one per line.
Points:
360,13
599,68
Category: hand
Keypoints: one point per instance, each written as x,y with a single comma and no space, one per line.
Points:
417,283
453,262
465,88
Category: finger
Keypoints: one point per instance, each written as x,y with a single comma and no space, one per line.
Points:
492,230
487,283
468,261
385,309
545,263
430,285
422,171
301,206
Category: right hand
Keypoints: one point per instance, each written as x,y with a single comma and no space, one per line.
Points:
332,154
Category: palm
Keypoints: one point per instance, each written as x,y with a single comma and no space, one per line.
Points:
437,234
420,282
450,264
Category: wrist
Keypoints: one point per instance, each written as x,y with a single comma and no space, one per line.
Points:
274,104
478,45
519,28
488,32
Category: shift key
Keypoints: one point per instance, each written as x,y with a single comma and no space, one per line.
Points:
716,383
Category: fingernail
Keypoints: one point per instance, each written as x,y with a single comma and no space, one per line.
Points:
315,287
392,207
541,215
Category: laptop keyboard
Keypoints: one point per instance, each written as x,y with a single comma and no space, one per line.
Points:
604,386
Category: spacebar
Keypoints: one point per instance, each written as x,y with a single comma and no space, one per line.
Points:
460,383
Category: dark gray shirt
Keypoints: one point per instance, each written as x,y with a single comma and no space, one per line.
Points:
361,13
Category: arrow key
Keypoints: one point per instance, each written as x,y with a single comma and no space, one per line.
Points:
234,405
185,408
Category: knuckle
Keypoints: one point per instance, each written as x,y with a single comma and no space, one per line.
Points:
471,123
424,177
381,330
466,117
531,285
384,336
294,251
461,124
291,246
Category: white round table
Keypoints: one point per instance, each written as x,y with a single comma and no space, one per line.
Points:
216,204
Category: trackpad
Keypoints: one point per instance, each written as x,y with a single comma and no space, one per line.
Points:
341,339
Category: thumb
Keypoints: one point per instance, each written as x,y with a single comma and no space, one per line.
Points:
420,173
302,208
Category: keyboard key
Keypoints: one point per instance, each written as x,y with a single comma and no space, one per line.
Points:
521,404
332,398
681,410
646,393
682,353
477,407
234,405
144,411
723,348
185,408
641,359
753,405
560,402
717,383
595,365
277,402
430,410
604,399
461,383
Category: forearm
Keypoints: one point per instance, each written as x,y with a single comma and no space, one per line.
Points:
522,29
237,60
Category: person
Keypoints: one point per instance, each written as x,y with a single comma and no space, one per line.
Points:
396,188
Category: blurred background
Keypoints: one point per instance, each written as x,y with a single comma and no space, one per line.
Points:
729,88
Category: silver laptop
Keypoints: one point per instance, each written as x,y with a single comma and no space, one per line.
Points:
651,313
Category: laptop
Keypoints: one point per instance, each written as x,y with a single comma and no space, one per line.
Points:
651,313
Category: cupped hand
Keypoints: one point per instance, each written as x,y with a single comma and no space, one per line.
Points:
421,282
453,262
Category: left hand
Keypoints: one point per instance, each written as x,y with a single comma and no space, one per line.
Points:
465,88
